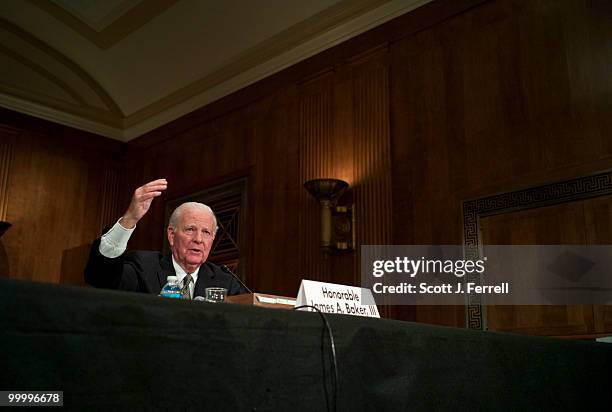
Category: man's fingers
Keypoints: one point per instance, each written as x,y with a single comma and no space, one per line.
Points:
156,186
159,183
152,187
141,201
144,190
148,195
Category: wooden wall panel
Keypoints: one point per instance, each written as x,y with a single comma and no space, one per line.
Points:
52,194
372,165
559,224
598,221
111,208
274,197
581,222
317,157
6,159
7,139
509,94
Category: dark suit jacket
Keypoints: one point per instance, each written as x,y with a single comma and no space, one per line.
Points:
148,271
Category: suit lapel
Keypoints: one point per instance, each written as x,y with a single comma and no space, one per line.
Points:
166,269
205,275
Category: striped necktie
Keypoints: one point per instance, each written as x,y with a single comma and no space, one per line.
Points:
185,289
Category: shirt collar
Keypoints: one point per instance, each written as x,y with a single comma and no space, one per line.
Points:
180,272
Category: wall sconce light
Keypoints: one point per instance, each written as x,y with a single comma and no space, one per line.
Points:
337,222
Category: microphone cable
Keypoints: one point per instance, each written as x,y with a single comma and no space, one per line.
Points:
334,364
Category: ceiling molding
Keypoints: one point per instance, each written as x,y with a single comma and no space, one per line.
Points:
89,114
282,42
42,71
60,116
130,21
65,62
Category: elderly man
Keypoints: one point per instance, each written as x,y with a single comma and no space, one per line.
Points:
191,232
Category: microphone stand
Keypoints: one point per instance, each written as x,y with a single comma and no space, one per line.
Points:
227,270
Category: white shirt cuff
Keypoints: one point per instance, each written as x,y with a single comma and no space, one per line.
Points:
114,242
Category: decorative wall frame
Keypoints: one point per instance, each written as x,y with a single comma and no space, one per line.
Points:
599,184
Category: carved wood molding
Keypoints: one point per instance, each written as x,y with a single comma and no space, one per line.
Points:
599,184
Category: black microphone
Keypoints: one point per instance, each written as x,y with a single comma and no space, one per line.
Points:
227,270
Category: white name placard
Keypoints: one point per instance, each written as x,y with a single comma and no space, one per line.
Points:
333,298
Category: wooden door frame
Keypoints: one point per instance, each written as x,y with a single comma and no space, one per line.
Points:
584,187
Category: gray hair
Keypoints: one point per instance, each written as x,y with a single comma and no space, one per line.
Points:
175,217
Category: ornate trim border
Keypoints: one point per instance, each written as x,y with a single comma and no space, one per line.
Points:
585,187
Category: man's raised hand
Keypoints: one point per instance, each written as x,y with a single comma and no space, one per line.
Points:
141,202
